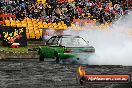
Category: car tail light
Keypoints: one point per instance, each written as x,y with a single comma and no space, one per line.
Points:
89,51
68,51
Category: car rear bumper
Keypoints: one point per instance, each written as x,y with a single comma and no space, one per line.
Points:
75,58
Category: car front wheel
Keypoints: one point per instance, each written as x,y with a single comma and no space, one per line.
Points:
41,58
57,59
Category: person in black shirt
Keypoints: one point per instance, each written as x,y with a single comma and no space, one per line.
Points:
0,5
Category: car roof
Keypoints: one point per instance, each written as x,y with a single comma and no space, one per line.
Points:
68,36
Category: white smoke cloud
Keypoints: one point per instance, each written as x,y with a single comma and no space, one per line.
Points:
113,46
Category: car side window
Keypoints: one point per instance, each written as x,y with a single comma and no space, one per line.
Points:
56,41
49,42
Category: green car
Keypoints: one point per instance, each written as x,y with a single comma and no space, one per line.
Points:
66,49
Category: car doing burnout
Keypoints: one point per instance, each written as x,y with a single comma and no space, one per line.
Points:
66,48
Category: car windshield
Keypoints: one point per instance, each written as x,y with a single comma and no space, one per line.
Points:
73,42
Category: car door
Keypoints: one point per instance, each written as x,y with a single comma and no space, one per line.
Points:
52,47
47,50
56,45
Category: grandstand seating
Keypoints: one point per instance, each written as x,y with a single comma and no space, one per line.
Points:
33,27
43,1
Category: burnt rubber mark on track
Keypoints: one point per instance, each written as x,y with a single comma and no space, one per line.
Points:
36,74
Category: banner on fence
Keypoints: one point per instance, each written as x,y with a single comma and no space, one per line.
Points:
12,35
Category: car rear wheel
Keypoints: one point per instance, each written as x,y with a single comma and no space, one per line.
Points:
57,59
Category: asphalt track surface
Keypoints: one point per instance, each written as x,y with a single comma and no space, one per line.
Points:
48,74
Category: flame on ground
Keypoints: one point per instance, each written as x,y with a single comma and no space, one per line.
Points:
81,71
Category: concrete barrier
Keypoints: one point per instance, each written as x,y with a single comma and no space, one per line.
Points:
19,55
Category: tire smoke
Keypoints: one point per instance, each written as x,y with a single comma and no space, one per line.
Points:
113,46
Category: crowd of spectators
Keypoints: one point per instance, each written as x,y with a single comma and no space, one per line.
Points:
63,10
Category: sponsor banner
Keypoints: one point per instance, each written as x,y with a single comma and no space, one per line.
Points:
101,78
108,78
12,35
